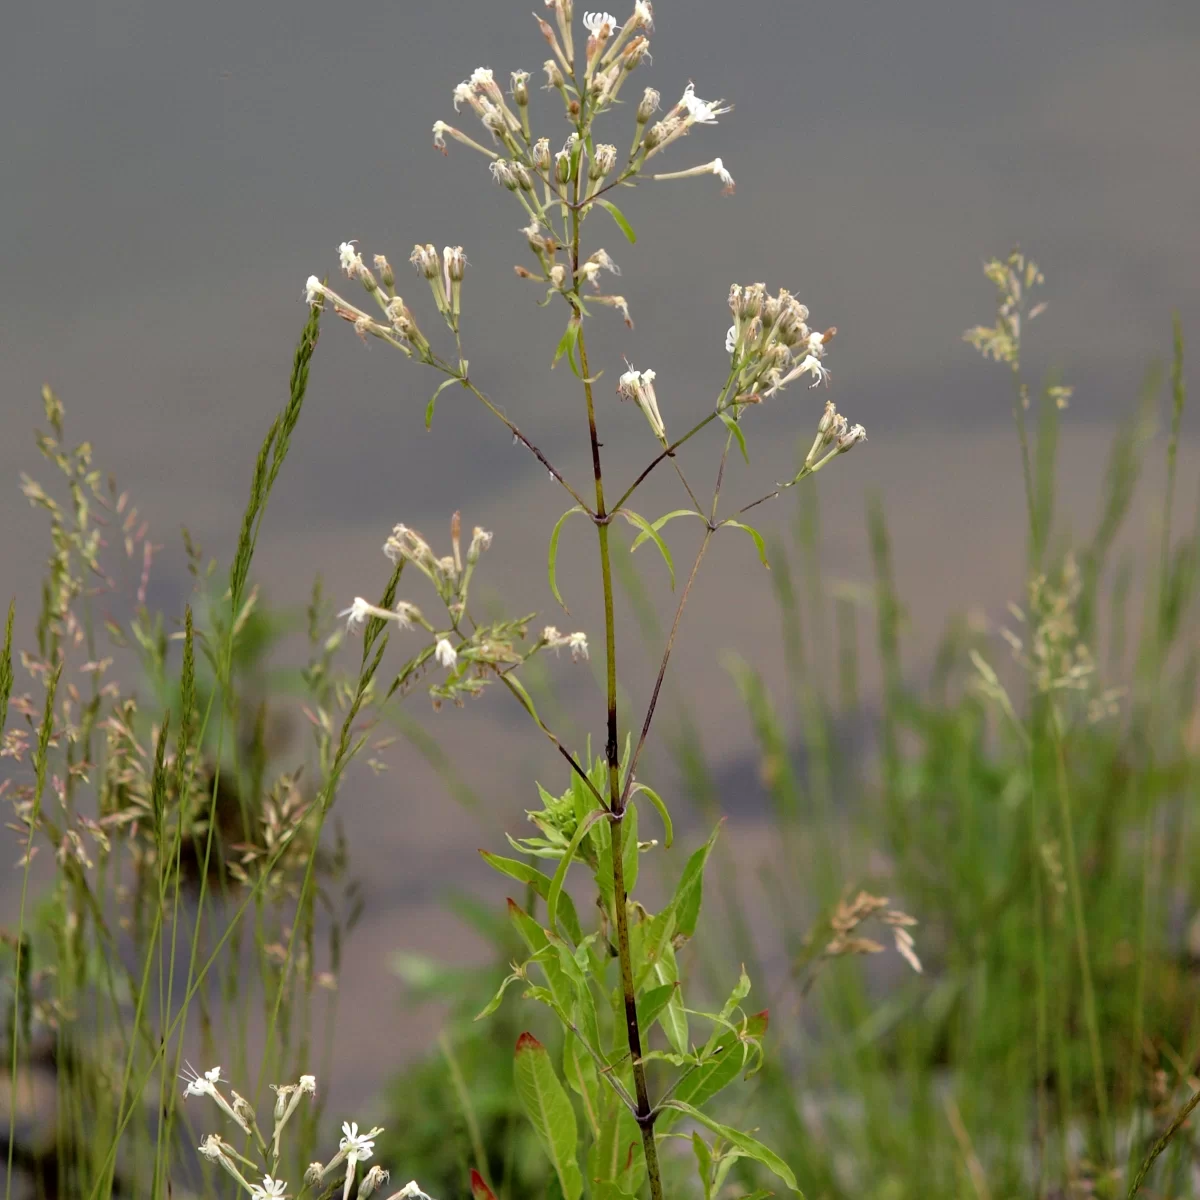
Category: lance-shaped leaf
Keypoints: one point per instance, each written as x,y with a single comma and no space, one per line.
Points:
618,216
735,428
560,875
759,544
524,873
549,1110
749,1146
641,523
479,1187
553,555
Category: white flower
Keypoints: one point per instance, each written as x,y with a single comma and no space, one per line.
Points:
463,91
314,290
812,365
308,1083
206,1086
643,15
351,260
355,1145
639,386
700,112
717,167
550,635
440,129
356,617
578,645
482,77
211,1148
445,653
731,340
602,259
267,1189
600,25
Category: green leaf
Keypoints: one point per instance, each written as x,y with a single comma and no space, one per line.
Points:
679,512
553,556
618,216
651,1003
758,539
673,1017
690,891
649,530
560,875
441,387
566,344
739,993
548,1108
724,1059
735,428
580,1070
749,1146
479,1187
657,801
494,1002
703,1163
540,883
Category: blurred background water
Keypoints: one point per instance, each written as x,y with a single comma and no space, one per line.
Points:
174,173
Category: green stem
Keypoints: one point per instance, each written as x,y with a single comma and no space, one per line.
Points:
645,1115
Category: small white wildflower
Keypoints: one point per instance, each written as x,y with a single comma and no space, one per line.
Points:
731,340
268,1189
700,112
643,15
503,174
550,635
578,645
602,259
205,1085
314,290
439,135
445,653
351,260
359,1145
483,78
356,617
308,1083
600,25
639,387
463,91
718,169
313,1173
812,365
211,1148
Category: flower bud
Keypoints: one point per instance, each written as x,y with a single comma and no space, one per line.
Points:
503,174
604,158
632,55
456,263
523,177
541,154
554,77
425,259
648,105
385,271
562,166
520,88
851,438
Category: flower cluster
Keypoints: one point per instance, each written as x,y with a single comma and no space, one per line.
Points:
353,1148
771,344
471,653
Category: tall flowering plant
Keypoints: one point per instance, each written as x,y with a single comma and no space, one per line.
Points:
640,1063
